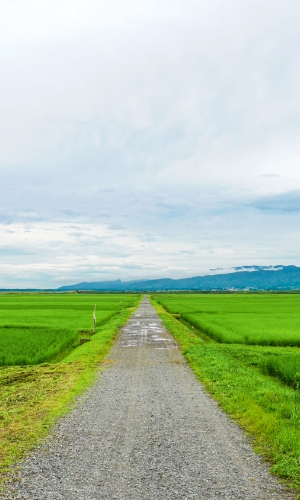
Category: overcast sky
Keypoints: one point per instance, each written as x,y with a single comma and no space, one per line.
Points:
147,138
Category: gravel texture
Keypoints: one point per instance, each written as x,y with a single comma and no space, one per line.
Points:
145,430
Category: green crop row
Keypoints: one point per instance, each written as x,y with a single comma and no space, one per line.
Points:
286,368
36,328
253,319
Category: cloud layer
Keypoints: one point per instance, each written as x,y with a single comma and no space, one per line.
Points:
147,139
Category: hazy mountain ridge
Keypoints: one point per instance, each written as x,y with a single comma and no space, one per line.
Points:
248,277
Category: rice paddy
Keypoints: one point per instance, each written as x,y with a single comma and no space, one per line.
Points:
285,367
244,349
260,320
253,319
36,328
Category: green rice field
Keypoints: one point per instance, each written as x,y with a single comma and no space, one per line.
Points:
285,367
36,328
244,348
253,319
43,364
270,320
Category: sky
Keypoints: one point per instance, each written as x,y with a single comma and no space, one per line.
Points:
147,138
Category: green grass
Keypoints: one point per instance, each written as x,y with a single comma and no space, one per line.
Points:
253,319
240,378
36,328
285,367
33,396
32,346
255,384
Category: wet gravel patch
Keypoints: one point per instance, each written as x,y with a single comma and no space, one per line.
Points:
145,430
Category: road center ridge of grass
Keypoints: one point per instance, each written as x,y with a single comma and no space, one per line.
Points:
33,397
266,408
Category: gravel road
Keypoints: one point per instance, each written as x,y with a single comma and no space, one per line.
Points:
145,430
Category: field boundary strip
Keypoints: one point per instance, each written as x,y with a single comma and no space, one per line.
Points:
266,408
34,396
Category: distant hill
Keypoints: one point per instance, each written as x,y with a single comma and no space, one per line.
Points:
242,278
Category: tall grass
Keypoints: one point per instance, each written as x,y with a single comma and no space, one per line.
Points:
286,368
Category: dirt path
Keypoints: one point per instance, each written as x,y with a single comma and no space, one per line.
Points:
146,430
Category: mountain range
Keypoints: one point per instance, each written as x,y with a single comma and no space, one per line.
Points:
241,278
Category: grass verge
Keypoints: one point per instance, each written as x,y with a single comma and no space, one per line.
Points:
264,406
33,397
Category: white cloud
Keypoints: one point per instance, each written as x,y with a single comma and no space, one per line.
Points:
165,130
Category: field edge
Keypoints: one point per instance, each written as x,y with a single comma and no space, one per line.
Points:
36,396
261,405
